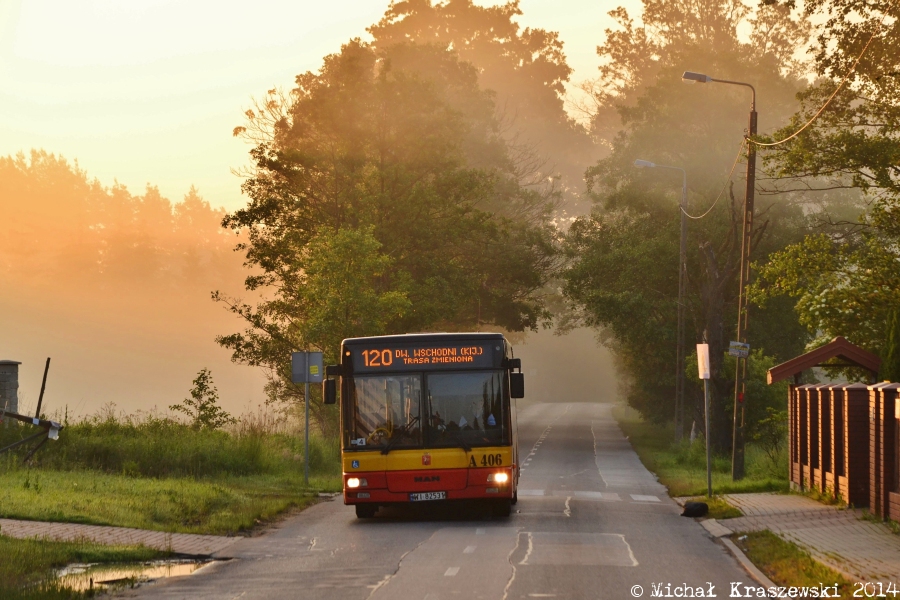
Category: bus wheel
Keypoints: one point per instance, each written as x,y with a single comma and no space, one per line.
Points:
502,508
365,511
515,497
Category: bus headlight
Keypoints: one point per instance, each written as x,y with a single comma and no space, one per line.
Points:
355,482
498,478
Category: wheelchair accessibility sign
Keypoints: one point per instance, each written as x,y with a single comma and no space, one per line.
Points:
355,464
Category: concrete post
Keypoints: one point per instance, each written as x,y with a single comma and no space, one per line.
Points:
9,385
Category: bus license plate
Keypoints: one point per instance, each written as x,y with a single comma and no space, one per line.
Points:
421,496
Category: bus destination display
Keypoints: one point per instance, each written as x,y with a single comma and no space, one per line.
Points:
425,356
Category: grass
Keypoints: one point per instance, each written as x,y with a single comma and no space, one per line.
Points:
148,445
153,472
826,497
222,505
682,467
787,564
150,472
28,567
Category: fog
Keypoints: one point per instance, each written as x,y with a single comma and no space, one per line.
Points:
136,354
567,368
114,283
115,289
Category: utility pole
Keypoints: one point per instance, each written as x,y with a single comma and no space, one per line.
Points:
682,277
740,371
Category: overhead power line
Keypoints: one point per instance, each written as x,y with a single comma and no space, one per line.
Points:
727,181
836,90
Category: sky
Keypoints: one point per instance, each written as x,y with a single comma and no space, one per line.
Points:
149,91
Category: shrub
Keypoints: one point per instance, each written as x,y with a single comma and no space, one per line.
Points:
202,408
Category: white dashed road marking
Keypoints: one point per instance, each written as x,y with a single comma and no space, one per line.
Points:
640,498
606,496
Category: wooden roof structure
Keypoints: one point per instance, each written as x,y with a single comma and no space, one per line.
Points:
839,347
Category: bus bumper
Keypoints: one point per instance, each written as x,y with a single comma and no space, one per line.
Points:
475,484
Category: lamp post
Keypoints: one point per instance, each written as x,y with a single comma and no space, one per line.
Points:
682,268
740,377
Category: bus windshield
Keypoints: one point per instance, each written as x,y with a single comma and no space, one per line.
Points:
466,409
387,411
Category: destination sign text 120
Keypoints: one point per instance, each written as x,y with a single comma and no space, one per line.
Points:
415,357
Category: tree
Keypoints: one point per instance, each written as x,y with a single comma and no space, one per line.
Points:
855,141
366,215
843,286
623,274
844,278
890,368
526,68
202,408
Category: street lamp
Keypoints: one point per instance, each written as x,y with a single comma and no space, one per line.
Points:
740,378
682,268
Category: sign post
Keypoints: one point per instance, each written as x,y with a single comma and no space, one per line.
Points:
306,368
703,368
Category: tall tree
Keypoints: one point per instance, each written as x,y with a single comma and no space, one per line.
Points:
855,141
525,68
624,271
845,136
366,215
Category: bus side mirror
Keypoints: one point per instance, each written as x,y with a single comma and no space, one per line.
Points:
329,391
516,385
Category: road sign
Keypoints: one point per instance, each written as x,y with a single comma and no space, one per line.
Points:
306,367
703,360
739,349
703,369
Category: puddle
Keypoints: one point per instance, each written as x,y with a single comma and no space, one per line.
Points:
82,577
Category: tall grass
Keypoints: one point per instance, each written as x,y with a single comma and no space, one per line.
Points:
154,472
682,467
150,445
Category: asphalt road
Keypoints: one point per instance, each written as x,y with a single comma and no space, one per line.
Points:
591,522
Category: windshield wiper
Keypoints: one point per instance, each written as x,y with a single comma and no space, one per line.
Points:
395,440
459,440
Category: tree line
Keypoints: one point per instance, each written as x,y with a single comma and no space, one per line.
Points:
63,228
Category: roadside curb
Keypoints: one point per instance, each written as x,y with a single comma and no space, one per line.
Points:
188,544
721,533
755,573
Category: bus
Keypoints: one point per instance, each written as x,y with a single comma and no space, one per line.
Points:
428,418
